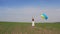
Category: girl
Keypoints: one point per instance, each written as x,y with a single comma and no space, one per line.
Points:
33,22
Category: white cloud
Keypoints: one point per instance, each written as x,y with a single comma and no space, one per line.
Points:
22,14
26,13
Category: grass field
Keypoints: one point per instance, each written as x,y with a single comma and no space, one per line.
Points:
26,28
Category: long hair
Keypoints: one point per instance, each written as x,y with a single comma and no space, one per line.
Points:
32,18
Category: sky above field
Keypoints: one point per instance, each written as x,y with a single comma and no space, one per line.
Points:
23,10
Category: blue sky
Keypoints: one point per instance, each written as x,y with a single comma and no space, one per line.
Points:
21,3
23,10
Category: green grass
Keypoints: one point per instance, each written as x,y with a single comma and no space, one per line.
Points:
48,25
8,27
